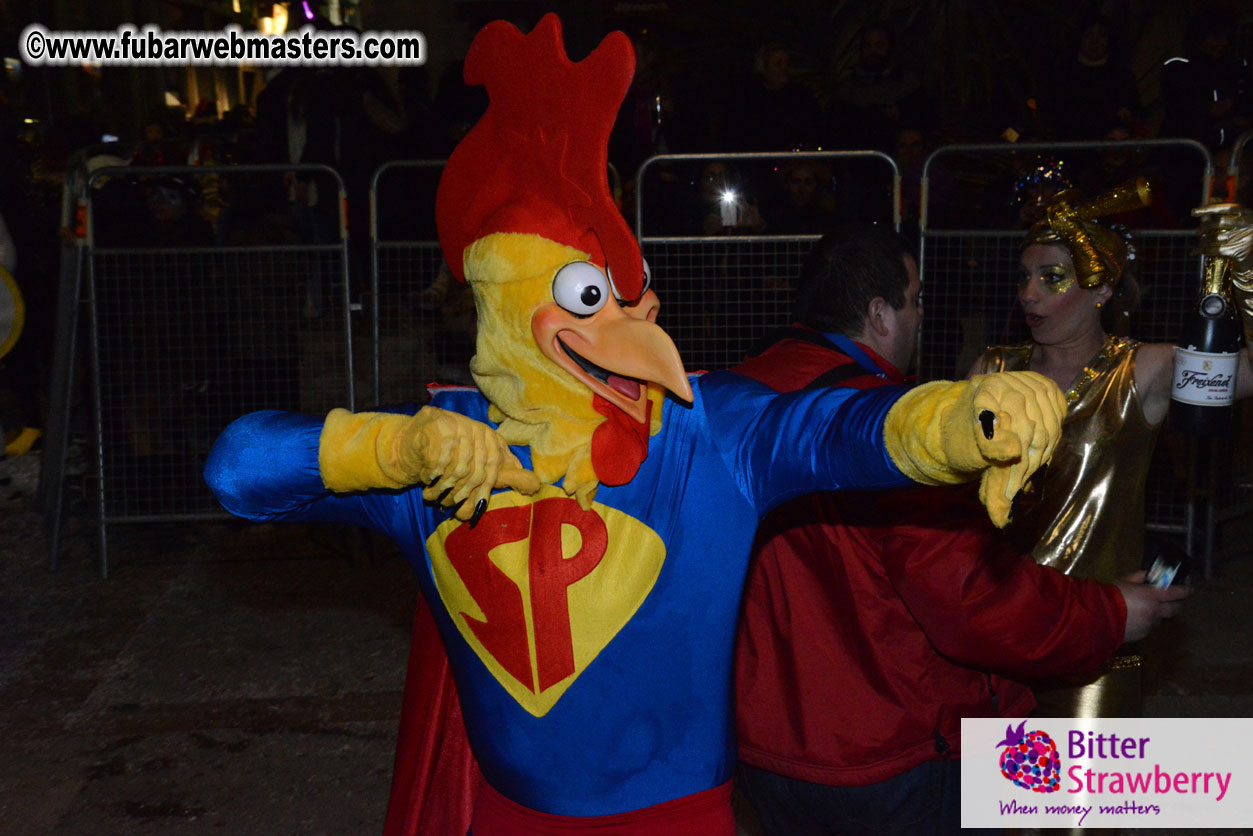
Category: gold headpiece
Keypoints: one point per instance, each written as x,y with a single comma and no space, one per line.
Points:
1100,254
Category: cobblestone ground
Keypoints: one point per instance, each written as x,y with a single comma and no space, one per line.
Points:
226,678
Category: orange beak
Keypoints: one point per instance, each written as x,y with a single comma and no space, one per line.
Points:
615,352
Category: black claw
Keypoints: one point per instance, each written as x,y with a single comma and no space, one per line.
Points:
439,500
988,421
1031,493
480,508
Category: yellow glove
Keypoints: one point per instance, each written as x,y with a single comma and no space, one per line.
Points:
1002,425
453,456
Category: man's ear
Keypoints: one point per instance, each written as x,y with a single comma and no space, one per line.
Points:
876,316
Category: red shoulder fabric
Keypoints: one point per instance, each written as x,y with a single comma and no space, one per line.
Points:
809,356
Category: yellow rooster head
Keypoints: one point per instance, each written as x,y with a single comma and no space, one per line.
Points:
569,353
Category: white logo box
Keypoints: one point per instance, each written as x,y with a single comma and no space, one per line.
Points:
1112,772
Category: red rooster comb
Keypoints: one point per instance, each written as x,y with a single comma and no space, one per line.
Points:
537,161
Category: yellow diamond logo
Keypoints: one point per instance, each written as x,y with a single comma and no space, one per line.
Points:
539,587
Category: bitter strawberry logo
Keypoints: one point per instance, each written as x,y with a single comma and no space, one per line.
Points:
1030,759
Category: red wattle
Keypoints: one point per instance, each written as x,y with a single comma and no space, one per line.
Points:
619,445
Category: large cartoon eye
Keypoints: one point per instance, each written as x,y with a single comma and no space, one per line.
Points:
648,282
580,288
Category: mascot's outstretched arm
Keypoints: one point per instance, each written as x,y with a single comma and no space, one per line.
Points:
456,458
1003,426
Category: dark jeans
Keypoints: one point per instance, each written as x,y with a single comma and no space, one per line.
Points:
925,801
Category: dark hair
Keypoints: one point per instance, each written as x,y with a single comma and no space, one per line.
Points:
845,271
1116,313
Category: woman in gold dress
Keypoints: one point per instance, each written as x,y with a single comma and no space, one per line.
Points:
1086,517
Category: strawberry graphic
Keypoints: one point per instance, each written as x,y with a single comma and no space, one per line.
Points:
1030,759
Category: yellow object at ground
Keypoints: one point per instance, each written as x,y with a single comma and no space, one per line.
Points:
19,442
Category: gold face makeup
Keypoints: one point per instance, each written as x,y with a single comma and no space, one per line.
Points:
1057,278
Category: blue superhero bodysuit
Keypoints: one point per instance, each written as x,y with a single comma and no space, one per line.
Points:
593,649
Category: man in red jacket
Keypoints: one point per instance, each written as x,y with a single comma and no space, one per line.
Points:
874,622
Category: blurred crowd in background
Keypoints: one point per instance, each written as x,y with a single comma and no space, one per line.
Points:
900,79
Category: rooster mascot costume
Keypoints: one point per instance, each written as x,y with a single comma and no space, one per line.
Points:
586,581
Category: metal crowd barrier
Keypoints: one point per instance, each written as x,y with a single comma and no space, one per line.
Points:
969,271
722,293
421,320
52,472
194,321
184,338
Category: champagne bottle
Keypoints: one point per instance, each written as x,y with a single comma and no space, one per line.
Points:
1204,384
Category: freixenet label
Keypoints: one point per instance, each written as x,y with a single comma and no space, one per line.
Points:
1204,379
1111,772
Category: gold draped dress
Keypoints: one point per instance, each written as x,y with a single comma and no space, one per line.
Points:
1086,516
